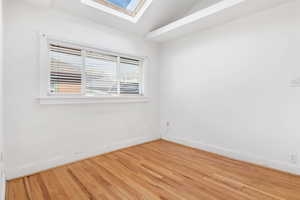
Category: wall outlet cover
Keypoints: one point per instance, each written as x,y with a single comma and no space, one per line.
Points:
294,158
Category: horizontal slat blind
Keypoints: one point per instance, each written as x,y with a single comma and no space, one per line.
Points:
130,76
65,70
101,74
80,71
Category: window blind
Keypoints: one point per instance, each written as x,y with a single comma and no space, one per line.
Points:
130,76
65,70
80,71
101,74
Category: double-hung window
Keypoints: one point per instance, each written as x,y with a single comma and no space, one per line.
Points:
74,71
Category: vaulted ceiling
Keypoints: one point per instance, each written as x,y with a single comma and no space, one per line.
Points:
160,12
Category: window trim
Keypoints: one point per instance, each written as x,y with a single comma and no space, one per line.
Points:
46,98
90,100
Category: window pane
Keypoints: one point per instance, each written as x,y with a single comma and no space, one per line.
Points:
65,70
101,74
130,74
130,5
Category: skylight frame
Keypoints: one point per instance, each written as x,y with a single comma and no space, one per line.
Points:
132,16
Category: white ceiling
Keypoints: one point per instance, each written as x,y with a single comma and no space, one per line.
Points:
205,15
160,13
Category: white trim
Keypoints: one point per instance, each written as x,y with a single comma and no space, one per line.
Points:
118,75
46,98
2,186
142,10
88,46
91,100
191,19
44,64
133,19
60,160
83,73
279,165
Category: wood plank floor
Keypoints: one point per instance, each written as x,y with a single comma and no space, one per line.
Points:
157,170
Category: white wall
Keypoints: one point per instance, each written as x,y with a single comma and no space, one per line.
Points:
2,179
228,89
42,136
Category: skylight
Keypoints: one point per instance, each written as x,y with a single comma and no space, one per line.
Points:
131,10
129,5
121,3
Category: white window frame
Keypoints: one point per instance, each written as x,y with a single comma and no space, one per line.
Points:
46,98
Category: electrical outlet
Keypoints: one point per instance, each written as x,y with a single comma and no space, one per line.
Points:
168,124
294,158
167,129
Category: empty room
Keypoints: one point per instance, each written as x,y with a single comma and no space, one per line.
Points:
149,99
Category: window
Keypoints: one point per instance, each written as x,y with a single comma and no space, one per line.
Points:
130,7
74,71
131,10
65,70
101,74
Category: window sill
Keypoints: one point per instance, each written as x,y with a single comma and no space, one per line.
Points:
91,100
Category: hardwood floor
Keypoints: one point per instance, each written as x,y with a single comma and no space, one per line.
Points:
157,170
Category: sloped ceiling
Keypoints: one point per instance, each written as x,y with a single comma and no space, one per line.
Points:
160,13
43,3
211,13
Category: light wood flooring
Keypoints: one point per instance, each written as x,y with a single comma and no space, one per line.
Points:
157,170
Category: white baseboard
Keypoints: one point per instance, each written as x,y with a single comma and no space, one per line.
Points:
32,168
2,187
282,166
60,160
